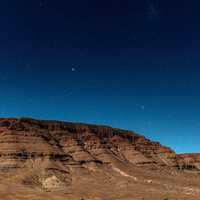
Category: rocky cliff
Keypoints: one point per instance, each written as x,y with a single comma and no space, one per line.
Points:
53,155
29,139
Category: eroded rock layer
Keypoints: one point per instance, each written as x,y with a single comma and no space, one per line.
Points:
28,139
53,156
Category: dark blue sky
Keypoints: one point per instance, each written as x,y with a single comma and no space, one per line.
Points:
128,64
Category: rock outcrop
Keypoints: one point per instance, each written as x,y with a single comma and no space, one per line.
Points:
28,139
190,161
61,156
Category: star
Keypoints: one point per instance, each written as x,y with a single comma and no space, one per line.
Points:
73,69
142,107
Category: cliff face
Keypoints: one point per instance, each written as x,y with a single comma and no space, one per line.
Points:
28,139
53,155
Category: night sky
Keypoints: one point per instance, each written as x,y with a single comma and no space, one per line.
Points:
132,64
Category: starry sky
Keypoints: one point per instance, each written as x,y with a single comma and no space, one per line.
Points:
132,64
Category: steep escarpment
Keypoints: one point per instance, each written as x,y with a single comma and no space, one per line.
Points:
77,143
87,159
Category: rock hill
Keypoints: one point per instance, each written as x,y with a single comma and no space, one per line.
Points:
90,161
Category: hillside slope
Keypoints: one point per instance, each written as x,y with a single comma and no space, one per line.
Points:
71,160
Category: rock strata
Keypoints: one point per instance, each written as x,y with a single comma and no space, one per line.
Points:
61,156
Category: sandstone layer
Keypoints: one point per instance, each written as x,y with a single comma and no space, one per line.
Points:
74,160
